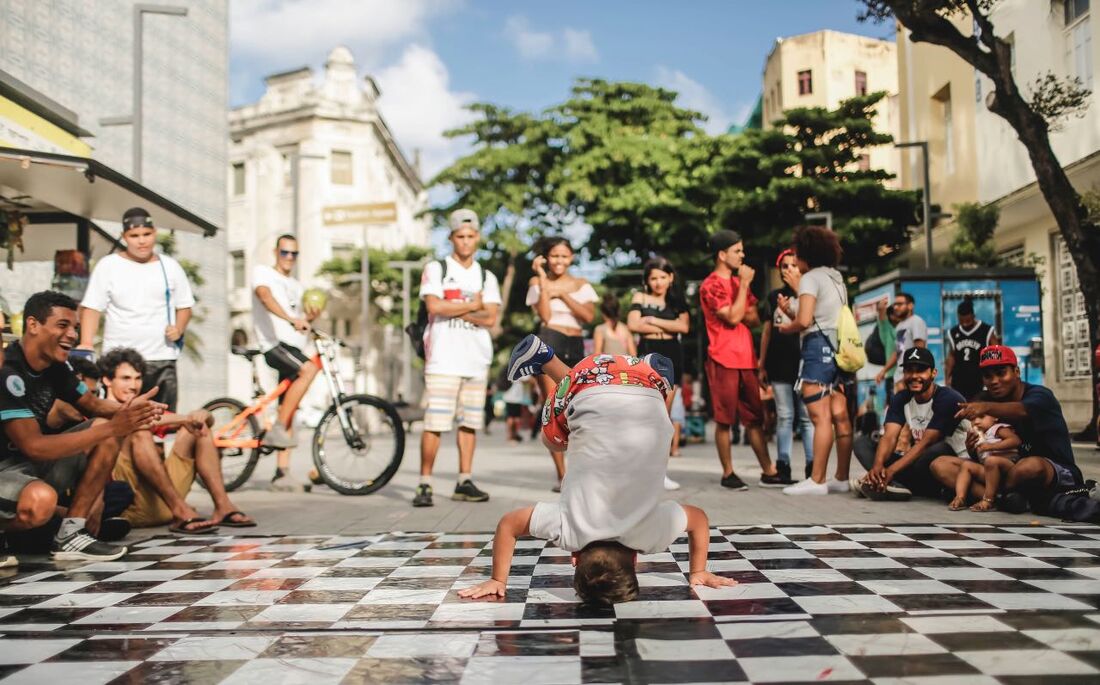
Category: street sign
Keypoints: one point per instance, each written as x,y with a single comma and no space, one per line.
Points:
369,213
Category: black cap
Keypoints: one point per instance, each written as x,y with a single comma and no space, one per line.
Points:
918,356
136,216
723,240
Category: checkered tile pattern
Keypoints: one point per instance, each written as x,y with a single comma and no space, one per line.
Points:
852,603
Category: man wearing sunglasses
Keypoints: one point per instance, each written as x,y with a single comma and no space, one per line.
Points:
282,323
146,301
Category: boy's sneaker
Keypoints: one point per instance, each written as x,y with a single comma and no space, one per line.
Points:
893,492
662,365
468,492
807,487
81,546
733,482
784,469
527,358
671,484
423,496
278,437
1013,503
773,481
114,529
6,560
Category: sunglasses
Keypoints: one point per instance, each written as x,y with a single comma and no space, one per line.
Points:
288,253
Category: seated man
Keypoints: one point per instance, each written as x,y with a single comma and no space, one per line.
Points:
611,415
1046,466
161,484
928,410
36,462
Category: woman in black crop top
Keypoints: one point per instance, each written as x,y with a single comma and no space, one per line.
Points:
659,315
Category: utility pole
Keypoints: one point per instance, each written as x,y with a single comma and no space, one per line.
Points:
406,318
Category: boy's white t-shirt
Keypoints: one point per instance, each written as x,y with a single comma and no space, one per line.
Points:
453,347
614,488
131,297
270,329
908,332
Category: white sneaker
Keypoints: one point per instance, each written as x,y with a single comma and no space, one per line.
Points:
671,484
807,487
836,485
855,485
8,561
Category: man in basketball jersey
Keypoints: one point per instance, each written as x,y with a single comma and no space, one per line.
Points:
964,343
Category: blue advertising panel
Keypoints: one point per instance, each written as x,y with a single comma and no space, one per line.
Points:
1023,322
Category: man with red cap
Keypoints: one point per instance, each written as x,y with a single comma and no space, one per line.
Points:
1032,410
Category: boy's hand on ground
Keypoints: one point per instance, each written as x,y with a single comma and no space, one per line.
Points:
709,579
490,588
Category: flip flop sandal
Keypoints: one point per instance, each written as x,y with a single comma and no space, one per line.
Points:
236,524
182,528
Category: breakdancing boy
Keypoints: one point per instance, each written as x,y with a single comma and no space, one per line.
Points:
611,414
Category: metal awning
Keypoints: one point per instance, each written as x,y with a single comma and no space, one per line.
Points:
45,182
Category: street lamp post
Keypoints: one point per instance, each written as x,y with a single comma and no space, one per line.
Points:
923,145
135,119
406,318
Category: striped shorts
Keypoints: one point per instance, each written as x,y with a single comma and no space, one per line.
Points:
451,398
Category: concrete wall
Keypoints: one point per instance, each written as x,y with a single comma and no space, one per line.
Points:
80,55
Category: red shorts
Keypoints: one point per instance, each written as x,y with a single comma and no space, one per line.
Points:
734,395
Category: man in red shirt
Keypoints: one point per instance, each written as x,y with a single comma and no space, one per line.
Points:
729,309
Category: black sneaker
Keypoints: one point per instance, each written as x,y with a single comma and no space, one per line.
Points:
423,496
468,492
773,481
784,469
114,529
733,482
1013,503
81,546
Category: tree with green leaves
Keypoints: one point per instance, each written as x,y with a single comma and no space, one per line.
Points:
973,242
386,281
1032,113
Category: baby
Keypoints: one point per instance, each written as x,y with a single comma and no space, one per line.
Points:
610,413
997,450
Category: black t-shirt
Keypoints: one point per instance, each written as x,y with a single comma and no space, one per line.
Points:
1044,433
783,348
25,394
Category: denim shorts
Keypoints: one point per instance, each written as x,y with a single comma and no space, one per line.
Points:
818,363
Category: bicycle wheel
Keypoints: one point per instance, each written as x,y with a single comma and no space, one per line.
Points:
237,462
365,459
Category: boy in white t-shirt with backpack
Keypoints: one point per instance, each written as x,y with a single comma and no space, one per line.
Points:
611,414
463,302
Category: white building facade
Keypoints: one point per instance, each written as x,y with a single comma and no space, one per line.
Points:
306,149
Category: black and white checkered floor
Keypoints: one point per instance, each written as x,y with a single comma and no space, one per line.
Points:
881,604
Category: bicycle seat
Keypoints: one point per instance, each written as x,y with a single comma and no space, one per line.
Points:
245,352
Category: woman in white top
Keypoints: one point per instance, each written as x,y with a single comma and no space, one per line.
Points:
612,336
821,296
564,304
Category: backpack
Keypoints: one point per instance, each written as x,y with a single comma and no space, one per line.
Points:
876,351
416,329
850,356
1075,505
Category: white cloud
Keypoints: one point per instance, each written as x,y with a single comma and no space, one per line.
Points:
418,105
572,45
694,95
287,33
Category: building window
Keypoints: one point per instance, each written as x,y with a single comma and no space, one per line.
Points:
1072,318
286,169
1013,256
861,83
1079,41
341,168
237,271
805,82
238,178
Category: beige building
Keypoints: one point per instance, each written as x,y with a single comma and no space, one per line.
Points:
311,158
823,68
995,168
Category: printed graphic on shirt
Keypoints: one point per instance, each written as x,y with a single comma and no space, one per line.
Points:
595,371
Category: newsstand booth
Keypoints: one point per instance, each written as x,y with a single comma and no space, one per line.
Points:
1007,297
57,206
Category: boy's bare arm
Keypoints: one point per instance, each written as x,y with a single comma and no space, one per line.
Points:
1007,440
512,525
698,530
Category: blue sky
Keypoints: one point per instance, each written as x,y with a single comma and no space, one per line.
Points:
433,56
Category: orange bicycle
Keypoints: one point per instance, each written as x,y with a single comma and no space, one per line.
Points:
357,445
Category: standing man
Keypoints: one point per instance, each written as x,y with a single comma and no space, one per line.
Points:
281,326
463,302
147,302
911,332
728,306
37,461
964,345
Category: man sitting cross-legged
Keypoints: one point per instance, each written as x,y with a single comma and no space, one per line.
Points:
611,415
161,484
36,460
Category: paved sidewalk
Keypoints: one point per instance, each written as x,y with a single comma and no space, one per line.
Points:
520,475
